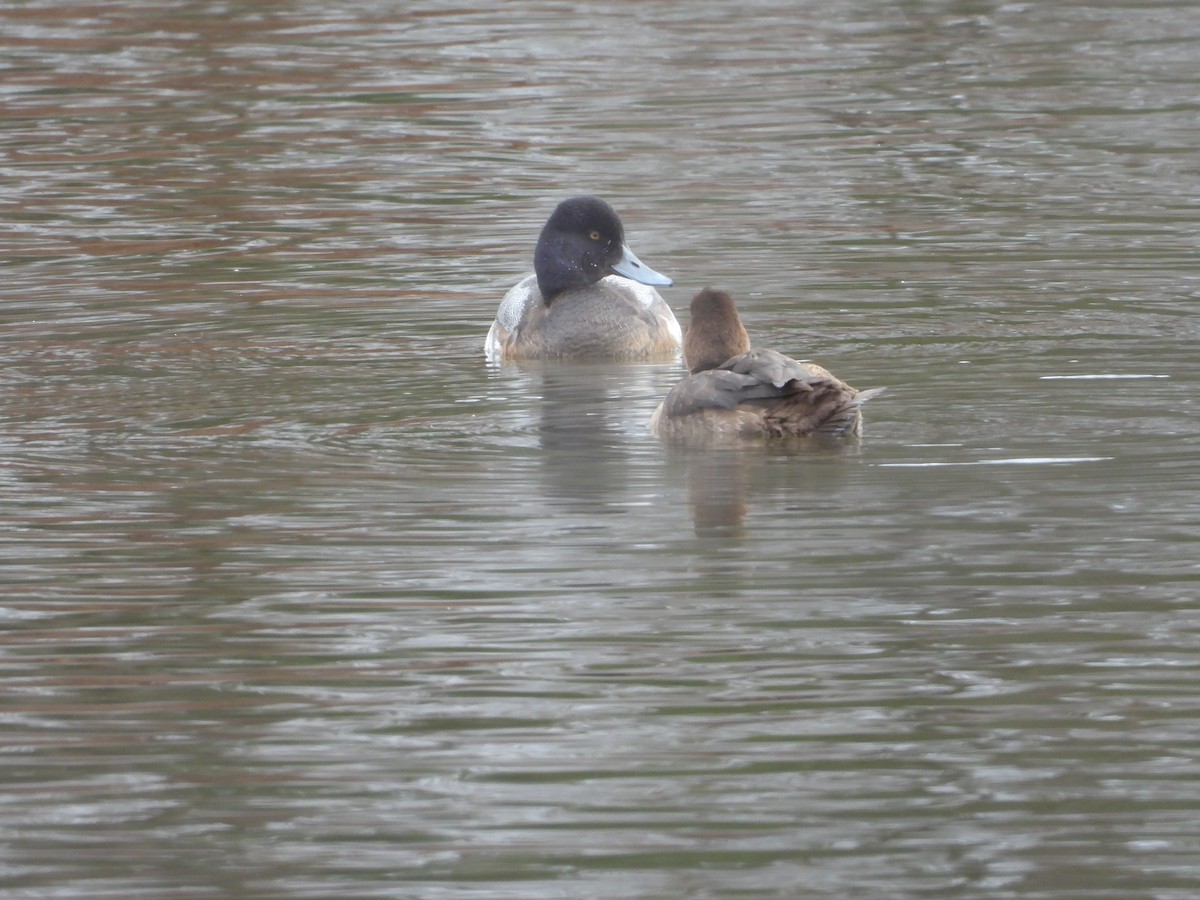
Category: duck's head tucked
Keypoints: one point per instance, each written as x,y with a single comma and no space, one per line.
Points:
715,331
585,300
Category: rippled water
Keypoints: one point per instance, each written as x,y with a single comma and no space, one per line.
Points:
302,598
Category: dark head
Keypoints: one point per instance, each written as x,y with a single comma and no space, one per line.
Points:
582,242
715,332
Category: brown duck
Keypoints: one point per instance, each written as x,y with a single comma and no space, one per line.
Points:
736,391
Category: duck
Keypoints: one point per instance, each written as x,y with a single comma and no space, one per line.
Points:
736,391
590,297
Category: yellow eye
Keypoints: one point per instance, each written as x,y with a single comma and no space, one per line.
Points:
595,235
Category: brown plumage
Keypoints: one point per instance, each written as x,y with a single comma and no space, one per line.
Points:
715,332
734,390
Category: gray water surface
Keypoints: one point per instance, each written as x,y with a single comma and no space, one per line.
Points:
302,598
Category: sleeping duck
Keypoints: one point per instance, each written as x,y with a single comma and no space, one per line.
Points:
590,296
739,392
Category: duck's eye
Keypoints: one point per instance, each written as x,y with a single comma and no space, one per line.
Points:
595,235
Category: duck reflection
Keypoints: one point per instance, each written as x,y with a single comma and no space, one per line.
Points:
717,487
724,480
590,427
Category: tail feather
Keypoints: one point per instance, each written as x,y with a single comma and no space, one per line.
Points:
828,407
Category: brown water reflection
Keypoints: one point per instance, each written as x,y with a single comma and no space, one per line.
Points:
302,598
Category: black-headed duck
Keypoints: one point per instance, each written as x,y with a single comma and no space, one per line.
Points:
585,300
739,392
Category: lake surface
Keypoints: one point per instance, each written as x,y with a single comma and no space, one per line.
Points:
301,598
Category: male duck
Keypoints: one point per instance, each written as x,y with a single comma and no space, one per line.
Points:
736,391
581,303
